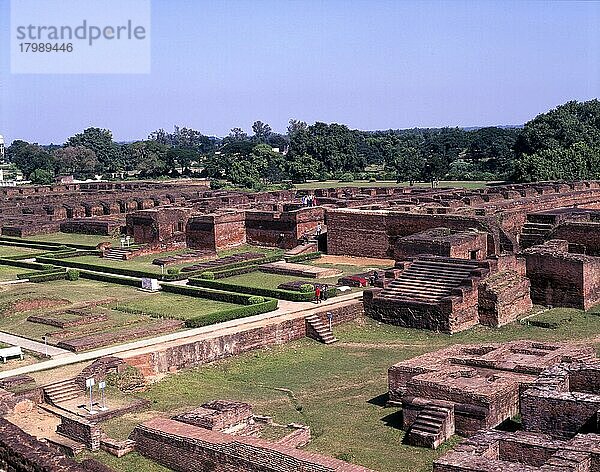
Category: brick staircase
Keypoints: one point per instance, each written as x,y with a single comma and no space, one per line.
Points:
316,329
120,253
429,280
61,391
433,425
534,233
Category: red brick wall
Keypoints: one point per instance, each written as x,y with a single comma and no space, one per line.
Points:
184,448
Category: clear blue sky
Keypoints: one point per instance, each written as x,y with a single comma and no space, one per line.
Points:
368,64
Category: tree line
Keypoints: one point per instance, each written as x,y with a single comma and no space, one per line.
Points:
563,143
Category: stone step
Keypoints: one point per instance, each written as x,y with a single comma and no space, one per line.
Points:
411,288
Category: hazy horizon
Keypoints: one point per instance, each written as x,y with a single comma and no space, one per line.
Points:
369,65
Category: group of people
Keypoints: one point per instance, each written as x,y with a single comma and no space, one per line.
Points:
309,200
321,292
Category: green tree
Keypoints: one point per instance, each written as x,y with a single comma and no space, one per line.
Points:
41,177
29,157
149,157
108,153
77,160
262,132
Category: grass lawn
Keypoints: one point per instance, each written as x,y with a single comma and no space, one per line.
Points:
265,280
7,251
387,183
10,273
337,390
72,238
66,294
145,262
177,306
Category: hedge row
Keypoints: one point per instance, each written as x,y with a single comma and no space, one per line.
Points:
100,268
57,275
232,314
142,273
265,292
254,263
211,294
307,256
25,242
112,278
25,264
222,274
72,253
28,275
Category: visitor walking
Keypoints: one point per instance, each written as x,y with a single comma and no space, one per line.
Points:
318,294
319,229
325,290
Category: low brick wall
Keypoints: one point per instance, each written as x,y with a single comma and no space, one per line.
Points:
174,358
184,448
80,430
21,452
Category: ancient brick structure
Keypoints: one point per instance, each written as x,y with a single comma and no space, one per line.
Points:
21,452
521,451
562,278
184,447
463,389
443,242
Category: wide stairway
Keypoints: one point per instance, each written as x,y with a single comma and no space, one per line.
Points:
433,425
534,233
120,253
61,391
429,280
316,329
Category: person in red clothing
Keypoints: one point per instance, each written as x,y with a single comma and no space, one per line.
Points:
318,294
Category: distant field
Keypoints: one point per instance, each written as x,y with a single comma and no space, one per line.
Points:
388,183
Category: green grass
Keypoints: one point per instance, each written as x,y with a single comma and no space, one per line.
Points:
7,251
72,238
271,281
70,293
10,273
182,307
387,183
145,262
337,390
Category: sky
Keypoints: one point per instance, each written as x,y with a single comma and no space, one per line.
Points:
374,64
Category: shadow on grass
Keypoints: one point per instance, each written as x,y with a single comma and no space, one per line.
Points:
393,420
379,400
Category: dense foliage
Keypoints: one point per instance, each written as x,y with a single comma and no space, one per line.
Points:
561,144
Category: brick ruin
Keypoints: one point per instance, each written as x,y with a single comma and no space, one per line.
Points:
464,257
559,428
466,388
225,436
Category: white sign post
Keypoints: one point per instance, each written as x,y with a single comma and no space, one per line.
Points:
89,383
101,387
330,316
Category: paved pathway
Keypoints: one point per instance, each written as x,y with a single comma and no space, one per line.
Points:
30,345
285,310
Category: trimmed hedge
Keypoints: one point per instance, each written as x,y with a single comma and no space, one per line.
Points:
27,275
25,264
211,294
233,314
59,275
142,273
307,256
112,278
54,244
264,292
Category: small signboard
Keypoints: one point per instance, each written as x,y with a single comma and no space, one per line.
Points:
89,383
150,284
